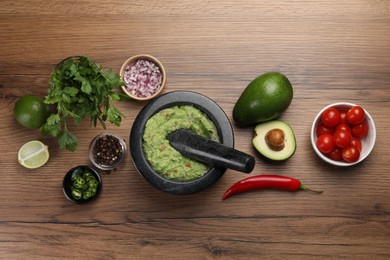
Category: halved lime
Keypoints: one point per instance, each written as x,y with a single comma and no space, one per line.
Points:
33,154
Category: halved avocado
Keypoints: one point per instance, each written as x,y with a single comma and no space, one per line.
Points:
275,140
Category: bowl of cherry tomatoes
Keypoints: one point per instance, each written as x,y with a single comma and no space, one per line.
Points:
343,134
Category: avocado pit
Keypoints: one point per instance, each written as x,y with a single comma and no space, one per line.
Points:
275,139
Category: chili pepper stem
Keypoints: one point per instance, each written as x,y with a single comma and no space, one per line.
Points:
304,188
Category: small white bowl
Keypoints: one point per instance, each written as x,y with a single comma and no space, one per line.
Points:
368,142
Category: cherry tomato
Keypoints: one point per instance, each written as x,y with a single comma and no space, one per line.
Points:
321,129
342,126
356,143
342,138
360,130
330,117
350,154
356,115
325,143
343,117
335,154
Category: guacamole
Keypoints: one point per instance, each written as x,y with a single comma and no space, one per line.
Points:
163,158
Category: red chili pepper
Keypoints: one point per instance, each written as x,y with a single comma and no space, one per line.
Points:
266,182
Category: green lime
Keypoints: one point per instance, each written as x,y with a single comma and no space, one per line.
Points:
31,112
33,154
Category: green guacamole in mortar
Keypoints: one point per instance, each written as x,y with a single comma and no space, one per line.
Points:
163,158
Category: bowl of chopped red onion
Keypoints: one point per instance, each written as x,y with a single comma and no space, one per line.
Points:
143,76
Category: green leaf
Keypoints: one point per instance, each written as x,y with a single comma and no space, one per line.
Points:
52,125
73,70
71,91
86,87
53,119
67,140
115,97
65,97
114,116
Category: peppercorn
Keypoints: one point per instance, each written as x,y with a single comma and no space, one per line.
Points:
107,150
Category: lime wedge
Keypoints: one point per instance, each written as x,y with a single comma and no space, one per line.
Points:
33,154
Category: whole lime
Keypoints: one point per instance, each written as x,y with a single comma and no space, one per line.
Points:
31,112
264,99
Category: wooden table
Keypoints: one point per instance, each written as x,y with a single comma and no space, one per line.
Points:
330,50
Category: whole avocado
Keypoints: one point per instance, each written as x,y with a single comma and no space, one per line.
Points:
264,99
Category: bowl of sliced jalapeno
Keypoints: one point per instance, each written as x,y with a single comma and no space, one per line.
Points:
82,184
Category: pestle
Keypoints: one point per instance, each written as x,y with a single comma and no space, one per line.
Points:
207,151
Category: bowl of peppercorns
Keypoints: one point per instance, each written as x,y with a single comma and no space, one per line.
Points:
107,151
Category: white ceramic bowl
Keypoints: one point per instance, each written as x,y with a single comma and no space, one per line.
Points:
368,142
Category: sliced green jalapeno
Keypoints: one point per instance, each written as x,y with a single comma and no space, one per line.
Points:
77,194
84,185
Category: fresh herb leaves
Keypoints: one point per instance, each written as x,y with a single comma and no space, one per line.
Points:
80,88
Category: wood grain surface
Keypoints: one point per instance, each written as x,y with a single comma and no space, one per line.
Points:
330,50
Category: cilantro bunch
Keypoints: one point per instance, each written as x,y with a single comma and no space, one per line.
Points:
80,88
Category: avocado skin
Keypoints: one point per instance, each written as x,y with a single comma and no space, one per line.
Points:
264,99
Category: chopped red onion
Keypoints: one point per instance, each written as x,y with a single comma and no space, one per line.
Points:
142,78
